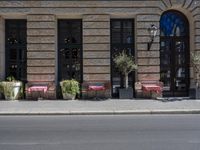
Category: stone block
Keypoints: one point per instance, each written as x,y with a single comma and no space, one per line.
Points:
40,39
96,18
96,39
197,24
197,45
94,54
143,46
41,62
41,25
148,17
19,4
40,70
96,62
90,77
96,47
96,32
197,32
197,17
146,25
36,32
41,55
148,54
41,17
96,25
146,39
197,39
178,2
149,77
149,69
40,78
97,70
40,47
144,32
148,61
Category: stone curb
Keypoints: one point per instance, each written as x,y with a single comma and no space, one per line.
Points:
135,112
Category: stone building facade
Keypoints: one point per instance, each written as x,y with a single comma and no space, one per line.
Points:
96,18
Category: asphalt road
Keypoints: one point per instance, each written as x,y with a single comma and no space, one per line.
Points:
128,132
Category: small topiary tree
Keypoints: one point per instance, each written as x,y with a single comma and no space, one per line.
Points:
125,64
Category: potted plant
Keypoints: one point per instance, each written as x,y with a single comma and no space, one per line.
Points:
69,88
11,88
195,60
125,64
1,90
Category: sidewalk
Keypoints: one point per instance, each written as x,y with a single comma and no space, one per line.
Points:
110,106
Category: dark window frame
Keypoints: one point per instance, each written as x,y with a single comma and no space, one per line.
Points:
173,53
121,45
20,24
70,45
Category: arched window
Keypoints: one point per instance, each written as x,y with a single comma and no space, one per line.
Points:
174,53
173,23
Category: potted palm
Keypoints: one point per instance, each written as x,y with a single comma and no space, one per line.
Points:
195,60
125,64
70,88
11,88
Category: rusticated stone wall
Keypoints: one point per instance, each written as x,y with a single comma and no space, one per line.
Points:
96,47
96,14
41,48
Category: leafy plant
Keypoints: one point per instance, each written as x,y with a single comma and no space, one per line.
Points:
195,60
125,64
10,78
11,88
70,87
1,87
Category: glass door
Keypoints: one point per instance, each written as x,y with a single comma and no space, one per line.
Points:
70,50
121,40
16,49
174,53
174,66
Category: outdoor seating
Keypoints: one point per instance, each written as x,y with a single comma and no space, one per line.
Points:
41,90
96,89
152,89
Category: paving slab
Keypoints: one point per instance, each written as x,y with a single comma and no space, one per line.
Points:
94,107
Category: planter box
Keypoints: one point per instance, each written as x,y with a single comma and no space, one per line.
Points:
1,96
126,93
194,93
68,96
12,90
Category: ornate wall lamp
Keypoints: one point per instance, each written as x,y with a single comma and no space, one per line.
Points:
152,32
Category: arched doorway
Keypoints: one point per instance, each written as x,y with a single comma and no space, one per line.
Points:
174,54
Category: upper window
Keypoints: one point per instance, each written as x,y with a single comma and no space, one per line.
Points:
122,31
173,23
